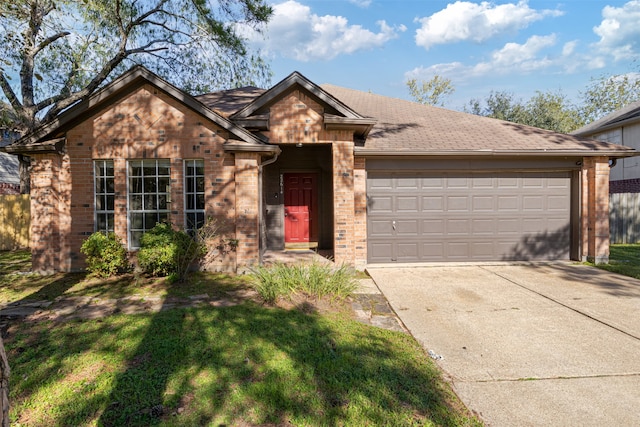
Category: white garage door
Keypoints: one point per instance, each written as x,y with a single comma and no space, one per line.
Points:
468,216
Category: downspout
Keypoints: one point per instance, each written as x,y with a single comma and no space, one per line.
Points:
260,203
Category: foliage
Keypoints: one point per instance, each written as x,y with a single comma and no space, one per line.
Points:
315,279
240,365
431,92
105,254
546,110
607,94
165,251
498,105
624,259
63,50
553,110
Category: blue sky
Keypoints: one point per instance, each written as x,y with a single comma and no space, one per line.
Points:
518,46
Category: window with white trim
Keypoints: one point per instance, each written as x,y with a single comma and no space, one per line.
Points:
149,196
104,195
193,195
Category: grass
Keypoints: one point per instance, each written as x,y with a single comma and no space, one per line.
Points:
313,279
624,259
17,284
245,365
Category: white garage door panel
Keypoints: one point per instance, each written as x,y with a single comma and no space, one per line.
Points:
468,217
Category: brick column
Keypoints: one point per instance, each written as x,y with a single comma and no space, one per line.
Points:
343,203
360,203
247,209
596,172
45,227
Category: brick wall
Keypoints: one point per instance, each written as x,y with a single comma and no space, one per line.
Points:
624,186
45,228
343,202
144,124
247,209
595,209
360,218
6,188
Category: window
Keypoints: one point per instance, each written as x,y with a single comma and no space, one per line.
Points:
194,194
104,191
149,196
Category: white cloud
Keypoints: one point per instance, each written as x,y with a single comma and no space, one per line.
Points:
361,3
619,30
513,58
467,21
295,32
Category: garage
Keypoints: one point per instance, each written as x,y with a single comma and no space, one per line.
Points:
468,216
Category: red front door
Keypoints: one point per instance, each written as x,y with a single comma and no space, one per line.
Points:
300,207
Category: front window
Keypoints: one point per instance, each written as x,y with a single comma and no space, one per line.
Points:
194,194
149,196
104,194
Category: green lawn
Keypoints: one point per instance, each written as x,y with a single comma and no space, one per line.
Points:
246,365
624,259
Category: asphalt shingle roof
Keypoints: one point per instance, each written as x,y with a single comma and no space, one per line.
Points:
230,101
628,112
405,127
409,127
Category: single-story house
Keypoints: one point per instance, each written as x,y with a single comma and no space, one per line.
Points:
621,127
9,165
368,178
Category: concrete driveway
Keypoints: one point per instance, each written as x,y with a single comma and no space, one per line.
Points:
528,345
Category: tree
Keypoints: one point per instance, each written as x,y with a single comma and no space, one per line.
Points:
546,110
607,94
58,52
498,105
552,111
431,92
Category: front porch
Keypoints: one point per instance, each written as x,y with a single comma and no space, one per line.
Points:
298,201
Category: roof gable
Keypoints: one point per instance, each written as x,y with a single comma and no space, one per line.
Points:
336,113
629,113
46,137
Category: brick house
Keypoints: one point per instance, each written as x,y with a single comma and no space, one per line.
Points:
366,178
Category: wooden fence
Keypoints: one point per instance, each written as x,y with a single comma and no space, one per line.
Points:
14,221
624,217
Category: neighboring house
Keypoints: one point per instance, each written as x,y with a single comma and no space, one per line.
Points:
9,169
621,127
367,178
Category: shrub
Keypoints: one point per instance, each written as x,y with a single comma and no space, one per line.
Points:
165,251
315,279
105,254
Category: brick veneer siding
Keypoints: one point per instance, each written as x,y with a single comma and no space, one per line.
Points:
6,188
45,228
247,209
144,124
360,217
343,202
624,186
595,209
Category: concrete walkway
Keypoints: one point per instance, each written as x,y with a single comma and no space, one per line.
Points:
528,345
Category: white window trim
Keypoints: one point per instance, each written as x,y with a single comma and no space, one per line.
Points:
186,194
129,210
97,211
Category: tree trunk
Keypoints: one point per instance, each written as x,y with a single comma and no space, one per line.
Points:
25,176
